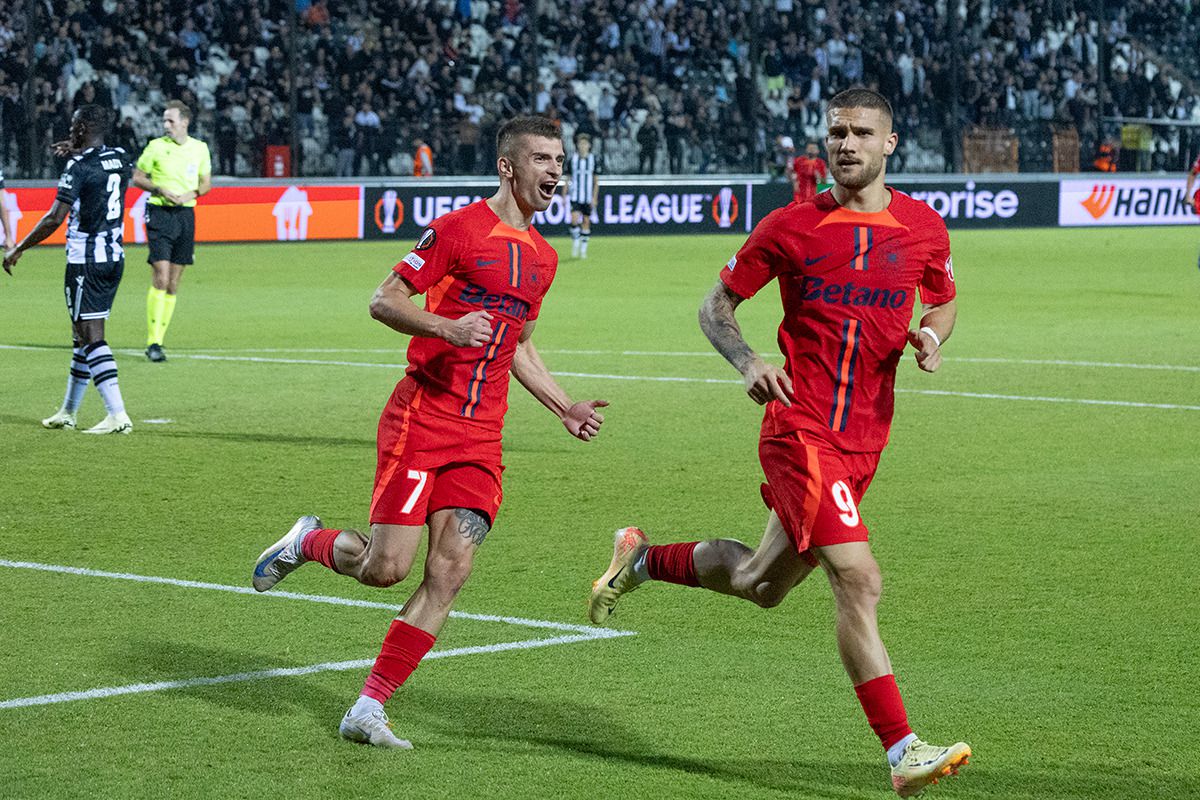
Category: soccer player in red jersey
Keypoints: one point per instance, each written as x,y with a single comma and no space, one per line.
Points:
806,172
484,271
1191,181
849,267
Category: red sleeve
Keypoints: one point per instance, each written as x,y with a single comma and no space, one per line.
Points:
937,283
434,255
1196,166
758,261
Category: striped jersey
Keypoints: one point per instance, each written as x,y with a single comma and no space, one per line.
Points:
468,260
93,185
583,178
849,282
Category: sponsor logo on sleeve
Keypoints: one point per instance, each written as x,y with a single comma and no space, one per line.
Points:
428,237
732,263
950,267
414,260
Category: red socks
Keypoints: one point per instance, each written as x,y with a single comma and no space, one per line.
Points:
403,648
880,698
318,546
672,563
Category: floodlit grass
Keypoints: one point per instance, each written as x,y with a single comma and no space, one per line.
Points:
1039,557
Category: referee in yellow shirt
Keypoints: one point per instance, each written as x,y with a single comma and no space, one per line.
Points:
175,169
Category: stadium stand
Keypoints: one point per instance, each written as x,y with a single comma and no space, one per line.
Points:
662,85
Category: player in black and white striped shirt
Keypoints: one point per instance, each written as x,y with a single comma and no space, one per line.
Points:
582,190
91,192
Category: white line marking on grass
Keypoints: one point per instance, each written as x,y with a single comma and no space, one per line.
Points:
1057,362
1037,399
158,421
573,634
679,379
594,633
282,672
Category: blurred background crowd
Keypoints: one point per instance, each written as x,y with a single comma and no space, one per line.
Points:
679,86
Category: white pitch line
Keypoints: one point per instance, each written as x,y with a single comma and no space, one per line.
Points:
1037,399
595,633
205,355
678,379
283,672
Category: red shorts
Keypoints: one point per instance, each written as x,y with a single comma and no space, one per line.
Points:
426,463
815,489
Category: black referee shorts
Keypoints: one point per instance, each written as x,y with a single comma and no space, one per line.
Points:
582,208
171,233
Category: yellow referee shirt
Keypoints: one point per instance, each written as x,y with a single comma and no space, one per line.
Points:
175,167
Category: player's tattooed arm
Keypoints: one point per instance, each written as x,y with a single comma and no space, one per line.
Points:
764,382
471,525
720,326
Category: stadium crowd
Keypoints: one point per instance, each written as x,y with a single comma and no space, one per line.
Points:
662,85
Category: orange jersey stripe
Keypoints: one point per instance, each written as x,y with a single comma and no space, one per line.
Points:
844,373
401,440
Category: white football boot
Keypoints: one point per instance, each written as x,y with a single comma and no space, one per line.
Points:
61,420
373,728
277,561
113,423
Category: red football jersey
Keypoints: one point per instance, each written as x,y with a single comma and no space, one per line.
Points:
468,260
809,172
848,281
1196,166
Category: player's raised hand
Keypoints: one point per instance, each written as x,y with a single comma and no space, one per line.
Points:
582,420
62,148
766,382
469,330
929,352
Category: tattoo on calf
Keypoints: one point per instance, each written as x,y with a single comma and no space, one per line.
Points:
472,525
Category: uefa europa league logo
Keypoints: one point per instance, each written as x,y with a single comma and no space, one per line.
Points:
389,212
725,208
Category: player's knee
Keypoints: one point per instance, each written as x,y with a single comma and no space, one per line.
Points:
446,574
860,584
383,572
768,594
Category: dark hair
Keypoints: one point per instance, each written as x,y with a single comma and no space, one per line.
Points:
861,97
182,108
511,131
95,119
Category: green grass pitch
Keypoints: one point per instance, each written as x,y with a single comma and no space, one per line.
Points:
1039,552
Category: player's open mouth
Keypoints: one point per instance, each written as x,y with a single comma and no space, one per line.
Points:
547,188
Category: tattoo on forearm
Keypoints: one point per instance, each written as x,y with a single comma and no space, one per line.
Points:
472,525
720,326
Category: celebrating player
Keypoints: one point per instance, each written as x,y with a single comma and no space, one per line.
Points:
582,191
849,266
805,172
1191,181
484,272
92,192
176,169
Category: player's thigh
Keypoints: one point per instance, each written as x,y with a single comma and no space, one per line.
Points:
776,559
394,546
455,534
815,489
